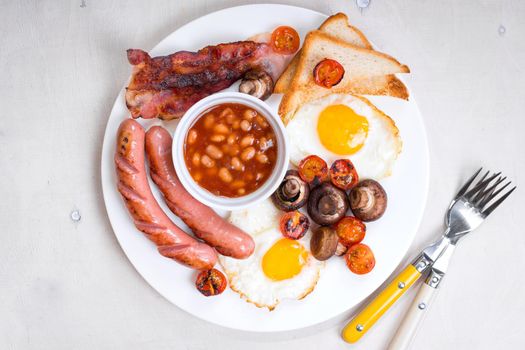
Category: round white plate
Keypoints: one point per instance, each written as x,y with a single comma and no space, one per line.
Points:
338,289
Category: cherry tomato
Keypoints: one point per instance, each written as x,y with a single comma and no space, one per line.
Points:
350,230
285,40
360,259
211,282
294,225
313,170
343,174
328,73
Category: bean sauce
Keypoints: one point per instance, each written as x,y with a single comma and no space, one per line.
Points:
230,150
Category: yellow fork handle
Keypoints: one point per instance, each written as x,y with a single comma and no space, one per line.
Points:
360,324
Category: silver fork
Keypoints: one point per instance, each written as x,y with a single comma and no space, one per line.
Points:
466,212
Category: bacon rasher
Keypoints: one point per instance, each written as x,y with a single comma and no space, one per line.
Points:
165,87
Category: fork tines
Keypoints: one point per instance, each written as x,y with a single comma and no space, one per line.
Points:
484,192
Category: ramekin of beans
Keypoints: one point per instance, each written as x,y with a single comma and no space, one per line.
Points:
230,151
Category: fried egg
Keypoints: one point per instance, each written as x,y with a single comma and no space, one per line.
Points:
278,269
345,126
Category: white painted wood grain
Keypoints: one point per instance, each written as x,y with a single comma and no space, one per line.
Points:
67,285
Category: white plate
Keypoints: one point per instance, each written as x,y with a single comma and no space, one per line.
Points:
338,290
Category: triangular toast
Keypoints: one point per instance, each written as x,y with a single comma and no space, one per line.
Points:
336,26
366,72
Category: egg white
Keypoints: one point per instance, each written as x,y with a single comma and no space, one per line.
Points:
246,276
256,218
374,160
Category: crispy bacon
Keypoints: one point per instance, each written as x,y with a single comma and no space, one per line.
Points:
166,86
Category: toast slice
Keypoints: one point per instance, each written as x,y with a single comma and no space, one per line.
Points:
339,27
364,68
336,26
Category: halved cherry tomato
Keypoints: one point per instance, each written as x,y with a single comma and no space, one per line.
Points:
343,174
211,282
294,225
285,40
360,259
350,230
313,170
328,73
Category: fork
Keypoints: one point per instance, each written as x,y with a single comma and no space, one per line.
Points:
466,212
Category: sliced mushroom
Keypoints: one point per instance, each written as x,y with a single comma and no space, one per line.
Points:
327,204
257,83
292,193
368,200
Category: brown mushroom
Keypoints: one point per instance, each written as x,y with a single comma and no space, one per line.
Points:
292,193
368,200
257,83
323,243
327,204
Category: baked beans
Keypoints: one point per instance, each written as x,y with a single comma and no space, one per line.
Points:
230,150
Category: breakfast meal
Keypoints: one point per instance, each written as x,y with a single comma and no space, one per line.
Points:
231,150
339,145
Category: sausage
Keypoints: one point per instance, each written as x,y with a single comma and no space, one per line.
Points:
147,215
206,224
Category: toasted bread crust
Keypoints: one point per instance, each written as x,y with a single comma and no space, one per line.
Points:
318,35
285,80
303,88
342,17
388,85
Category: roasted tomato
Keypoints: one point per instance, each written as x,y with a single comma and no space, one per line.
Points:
285,40
313,170
360,259
294,225
343,174
350,230
211,282
328,73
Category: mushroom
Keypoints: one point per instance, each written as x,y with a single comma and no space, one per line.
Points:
368,200
257,83
323,243
327,204
292,193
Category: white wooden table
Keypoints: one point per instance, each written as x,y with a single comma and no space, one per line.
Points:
66,284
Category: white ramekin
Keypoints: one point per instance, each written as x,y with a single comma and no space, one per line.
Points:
203,195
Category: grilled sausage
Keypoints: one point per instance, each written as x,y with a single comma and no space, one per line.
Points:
147,215
205,223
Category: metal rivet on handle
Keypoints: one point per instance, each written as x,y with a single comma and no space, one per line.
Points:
435,279
401,285
422,306
359,327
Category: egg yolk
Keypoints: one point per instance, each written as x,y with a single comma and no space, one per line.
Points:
341,130
284,259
